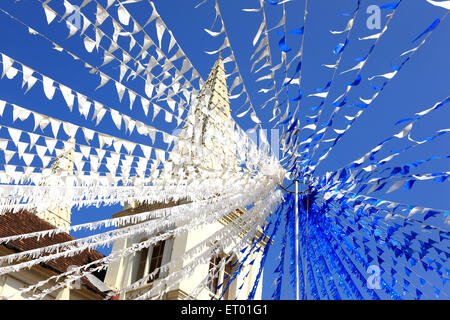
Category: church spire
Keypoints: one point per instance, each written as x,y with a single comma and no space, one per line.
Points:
205,138
216,85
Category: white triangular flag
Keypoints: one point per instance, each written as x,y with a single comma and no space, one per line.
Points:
145,105
319,95
7,63
21,113
15,135
49,13
99,112
8,155
55,124
310,126
117,118
389,75
88,134
45,161
83,105
95,162
107,58
33,139
49,89
117,144
26,73
101,15
159,30
89,44
172,104
404,132
70,129
120,90
124,16
86,151
86,23
156,110
28,158
132,97
21,147
160,155
98,37
31,81
152,134
349,26
41,150
103,80
258,34
360,65
68,96
123,70
40,120
101,153
129,146
442,4
2,107
146,150
12,72
167,116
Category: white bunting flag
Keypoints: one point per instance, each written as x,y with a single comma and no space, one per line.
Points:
49,13
15,135
442,4
21,113
83,105
33,139
68,96
132,97
49,89
55,124
159,30
117,118
120,90
124,16
145,105
70,129
89,44
99,112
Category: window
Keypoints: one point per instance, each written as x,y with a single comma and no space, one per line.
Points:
226,279
214,274
218,276
156,260
142,261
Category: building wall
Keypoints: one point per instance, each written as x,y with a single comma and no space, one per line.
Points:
12,283
122,273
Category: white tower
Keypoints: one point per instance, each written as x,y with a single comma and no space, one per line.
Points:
62,166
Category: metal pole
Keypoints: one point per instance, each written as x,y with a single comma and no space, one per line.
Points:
297,278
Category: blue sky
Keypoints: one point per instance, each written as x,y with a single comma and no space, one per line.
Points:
419,85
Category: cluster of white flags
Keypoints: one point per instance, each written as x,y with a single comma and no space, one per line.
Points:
87,106
61,164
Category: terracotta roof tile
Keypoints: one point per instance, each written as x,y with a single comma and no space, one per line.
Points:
26,222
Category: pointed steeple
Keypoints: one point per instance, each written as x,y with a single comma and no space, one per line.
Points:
216,85
205,138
